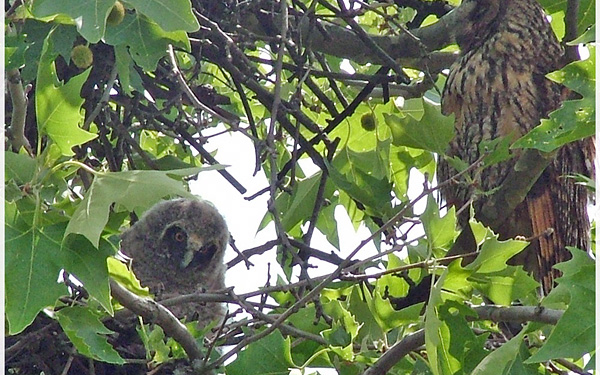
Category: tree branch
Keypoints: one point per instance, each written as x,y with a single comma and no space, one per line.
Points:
156,313
518,314
571,16
502,203
341,42
19,110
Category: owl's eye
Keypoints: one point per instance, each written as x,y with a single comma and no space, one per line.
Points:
174,242
176,234
179,236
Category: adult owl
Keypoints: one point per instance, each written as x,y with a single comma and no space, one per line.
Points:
497,88
177,248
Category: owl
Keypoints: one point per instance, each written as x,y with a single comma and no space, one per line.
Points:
177,248
497,88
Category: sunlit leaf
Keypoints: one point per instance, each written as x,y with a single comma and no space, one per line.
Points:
441,231
137,190
58,108
89,15
171,15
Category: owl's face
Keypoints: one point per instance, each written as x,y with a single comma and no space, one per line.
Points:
181,243
178,246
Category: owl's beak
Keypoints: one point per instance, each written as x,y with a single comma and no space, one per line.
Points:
187,259
194,242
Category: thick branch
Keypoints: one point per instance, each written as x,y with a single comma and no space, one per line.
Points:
515,187
518,314
160,315
338,41
19,110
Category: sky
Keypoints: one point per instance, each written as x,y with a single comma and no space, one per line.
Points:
243,216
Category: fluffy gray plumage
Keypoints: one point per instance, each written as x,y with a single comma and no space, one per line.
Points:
177,248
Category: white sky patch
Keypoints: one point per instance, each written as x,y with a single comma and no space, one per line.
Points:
347,67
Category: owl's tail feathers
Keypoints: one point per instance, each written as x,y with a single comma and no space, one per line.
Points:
550,246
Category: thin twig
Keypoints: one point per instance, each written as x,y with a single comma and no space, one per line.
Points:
190,94
104,99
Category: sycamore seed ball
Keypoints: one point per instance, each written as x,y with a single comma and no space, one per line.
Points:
368,122
82,56
116,14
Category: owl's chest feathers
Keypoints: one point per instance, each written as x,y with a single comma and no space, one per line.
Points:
167,280
492,93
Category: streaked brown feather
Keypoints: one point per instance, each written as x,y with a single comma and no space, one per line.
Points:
498,88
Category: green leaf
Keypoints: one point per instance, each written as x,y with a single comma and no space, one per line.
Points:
34,34
432,133
14,51
498,148
327,223
576,118
146,41
20,167
386,317
32,269
494,254
502,359
359,302
396,286
122,274
504,287
340,314
299,207
58,108
402,160
437,334
153,338
574,334
360,185
463,346
86,332
89,15
88,264
63,37
440,231
588,36
585,16
136,190
170,15
269,355
304,351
